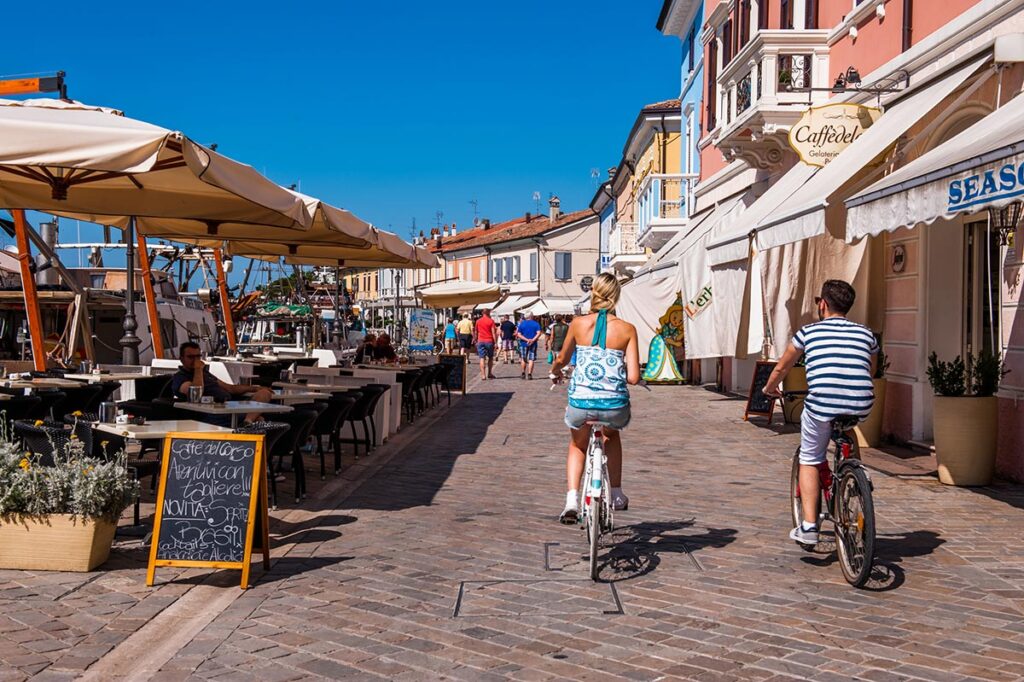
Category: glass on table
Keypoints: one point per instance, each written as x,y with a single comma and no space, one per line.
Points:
195,394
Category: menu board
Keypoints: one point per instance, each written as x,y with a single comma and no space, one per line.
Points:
211,502
457,375
759,404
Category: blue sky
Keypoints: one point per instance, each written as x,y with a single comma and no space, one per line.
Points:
392,110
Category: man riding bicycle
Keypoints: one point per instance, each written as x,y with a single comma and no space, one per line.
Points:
840,357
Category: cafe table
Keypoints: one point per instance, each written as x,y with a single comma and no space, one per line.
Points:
235,408
39,382
111,376
298,397
153,430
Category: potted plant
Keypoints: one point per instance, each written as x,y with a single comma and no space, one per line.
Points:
60,517
869,431
795,380
965,417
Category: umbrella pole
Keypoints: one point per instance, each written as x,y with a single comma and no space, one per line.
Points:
337,306
225,302
147,283
28,287
130,341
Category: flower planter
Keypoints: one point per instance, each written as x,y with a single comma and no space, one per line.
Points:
796,380
56,542
965,439
869,431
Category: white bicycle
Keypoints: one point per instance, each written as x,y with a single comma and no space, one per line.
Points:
595,494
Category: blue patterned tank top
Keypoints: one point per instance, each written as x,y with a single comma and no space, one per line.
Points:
599,380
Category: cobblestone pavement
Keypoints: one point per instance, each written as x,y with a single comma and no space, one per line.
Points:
446,562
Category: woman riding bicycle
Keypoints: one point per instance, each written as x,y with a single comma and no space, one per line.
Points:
606,360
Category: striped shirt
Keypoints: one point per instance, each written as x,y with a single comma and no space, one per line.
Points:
837,354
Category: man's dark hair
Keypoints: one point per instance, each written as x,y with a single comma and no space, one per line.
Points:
839,295
185,346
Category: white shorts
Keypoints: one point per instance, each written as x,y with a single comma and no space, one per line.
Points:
815,436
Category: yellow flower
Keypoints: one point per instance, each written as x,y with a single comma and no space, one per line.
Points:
74,437
39,422
24,463
76,413
104,443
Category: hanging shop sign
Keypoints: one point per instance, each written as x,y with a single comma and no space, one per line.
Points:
822,133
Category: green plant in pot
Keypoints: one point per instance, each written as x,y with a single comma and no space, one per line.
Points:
965,413
869,431
60,516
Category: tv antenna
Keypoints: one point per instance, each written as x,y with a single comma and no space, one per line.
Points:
536,200
439,216
475,205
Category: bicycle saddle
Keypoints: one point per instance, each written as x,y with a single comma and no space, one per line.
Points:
845,422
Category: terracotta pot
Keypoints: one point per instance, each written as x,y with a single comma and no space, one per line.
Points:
965,439
796,380
54,543
869,432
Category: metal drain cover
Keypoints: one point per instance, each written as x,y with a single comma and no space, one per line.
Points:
536,597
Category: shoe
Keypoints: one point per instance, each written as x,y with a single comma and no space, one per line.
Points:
280,478
571,514
805,536
523,375
619,500
529,376
492,377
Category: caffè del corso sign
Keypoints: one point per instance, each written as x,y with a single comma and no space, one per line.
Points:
822,133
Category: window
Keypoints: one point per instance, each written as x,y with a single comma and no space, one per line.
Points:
711,99
533,267
516,262
497,271
507,267
745,23
811,14
786,13
762,14
691,46
727,42
563,265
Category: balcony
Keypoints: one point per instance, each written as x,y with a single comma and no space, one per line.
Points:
761,94
624,253
662,207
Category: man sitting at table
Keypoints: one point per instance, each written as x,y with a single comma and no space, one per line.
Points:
194,372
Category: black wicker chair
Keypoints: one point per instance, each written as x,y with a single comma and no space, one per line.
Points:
301,423
329,424
441,380
48,401
16,408
43,440
271,432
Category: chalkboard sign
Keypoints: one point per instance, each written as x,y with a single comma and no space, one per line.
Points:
759,404
211,502
457,375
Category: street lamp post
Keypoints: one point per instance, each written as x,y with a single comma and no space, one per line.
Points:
130,341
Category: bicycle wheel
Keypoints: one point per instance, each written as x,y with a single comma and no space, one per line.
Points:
594,533
796,500
855,525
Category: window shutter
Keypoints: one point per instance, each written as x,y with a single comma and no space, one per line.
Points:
533,267
563,265
518,265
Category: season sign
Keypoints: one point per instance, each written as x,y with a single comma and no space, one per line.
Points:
985,186
822,133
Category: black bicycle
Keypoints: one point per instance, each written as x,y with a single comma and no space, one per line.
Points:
848,504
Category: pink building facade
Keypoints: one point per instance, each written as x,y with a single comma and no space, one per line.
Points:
929,287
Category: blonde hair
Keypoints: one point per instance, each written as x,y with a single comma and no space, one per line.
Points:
604,294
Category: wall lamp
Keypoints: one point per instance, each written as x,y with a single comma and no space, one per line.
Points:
1005,219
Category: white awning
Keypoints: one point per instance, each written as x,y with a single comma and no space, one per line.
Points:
513,303
643,301
793,209
668,255
551,306
459,293
981,167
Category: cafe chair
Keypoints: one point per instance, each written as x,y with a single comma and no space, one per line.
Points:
147,390
329,424
48,400
76,398
271,432
301,422
17,408
44,441
362,413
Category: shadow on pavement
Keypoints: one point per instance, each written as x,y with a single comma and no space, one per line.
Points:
289,567
1011,494
413,478
637,549
890,551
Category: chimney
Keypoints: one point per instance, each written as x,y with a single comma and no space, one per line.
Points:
554,203
486,222
611,172
452,233
528,217
445,232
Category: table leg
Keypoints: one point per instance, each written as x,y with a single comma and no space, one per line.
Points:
234,421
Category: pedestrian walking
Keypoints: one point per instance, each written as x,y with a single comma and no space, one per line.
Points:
465,331
508,339
486,336
556,338
528,334
450,336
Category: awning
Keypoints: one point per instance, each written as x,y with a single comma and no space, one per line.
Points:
551,306
513,303
92,164
459,293
793,209
981,167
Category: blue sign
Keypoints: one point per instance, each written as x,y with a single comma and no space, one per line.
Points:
986,187
421,330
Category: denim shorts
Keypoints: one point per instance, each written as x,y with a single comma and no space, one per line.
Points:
528,351
485,349
617,418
